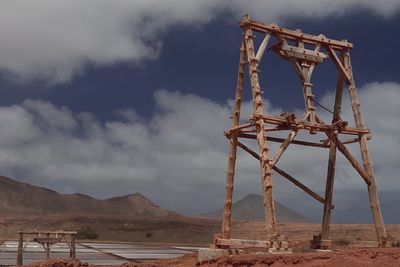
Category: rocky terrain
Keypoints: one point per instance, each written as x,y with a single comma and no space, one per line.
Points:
18,198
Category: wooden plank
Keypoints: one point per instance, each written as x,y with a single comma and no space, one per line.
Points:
286,175
230,173
292,34
262,47
241,243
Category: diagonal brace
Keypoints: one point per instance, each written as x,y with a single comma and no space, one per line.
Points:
339,65
342,148
262,47
286,175
283,147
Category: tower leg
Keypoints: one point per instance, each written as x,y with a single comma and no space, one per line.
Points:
366,158
332,161
226,220
269,205
326,220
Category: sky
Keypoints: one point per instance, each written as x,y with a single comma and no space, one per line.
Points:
109,98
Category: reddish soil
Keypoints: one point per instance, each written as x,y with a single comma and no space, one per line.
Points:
387,257
348,258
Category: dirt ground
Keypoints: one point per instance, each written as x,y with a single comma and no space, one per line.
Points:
200,231
387,257
195,231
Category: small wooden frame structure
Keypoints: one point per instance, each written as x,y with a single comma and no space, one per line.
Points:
303,59
46,239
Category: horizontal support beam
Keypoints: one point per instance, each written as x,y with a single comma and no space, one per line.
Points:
281,140
292,34
277,120
239,127
350,141
47,232
291,52
241,243
286,175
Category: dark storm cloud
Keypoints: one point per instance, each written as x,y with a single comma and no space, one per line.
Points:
54,40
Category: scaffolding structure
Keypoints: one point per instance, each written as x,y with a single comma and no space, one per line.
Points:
46,239
303,51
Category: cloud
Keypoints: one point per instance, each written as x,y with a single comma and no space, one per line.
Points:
178,156
55,40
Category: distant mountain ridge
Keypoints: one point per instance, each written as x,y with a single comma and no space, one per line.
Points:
251,208
23,198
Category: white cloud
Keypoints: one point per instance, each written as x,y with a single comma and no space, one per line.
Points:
55,40
178,157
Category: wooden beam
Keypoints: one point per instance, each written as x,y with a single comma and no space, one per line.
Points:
326,219
263,46
20,249
300,185
240,127
288,51
241,243
269,204
277,120
230,173
286,175
350,141
339,64
366,157
283,147
72,251
317,48
281,140
349,157
292,34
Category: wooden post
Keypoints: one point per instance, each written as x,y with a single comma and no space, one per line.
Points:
227,216
366,157
269,205
48,246
326,220
307,85
72,253
20,249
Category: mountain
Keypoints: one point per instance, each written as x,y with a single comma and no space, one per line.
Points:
251,208
22,198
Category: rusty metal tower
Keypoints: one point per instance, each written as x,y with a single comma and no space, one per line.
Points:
308,51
